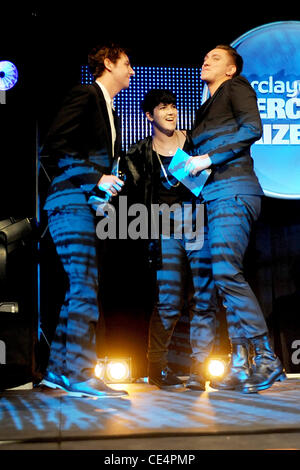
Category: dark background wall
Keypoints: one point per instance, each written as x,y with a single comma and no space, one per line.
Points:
48,44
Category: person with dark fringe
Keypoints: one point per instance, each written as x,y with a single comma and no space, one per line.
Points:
181,260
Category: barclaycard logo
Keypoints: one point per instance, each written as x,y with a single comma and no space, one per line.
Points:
271,56
272,85
279,101
2,352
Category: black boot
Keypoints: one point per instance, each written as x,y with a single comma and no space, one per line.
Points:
162,376
197,377
267,368
238,370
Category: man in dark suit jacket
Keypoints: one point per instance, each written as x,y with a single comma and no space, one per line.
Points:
82,143
226,126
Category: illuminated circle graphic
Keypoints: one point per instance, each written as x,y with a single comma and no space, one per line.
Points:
271,56
8,75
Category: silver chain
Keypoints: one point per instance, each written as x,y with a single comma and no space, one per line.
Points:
163,168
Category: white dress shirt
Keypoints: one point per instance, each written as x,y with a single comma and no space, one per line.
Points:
110,108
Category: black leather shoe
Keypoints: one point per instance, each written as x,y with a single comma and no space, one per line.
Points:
55,381
197,379
93,387
267,368
238,370
163,377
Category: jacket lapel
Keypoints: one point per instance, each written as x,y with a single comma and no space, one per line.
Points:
118,134
104,113
207,104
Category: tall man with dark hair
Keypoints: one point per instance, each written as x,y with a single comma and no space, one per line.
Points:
82,143
182,259
226,126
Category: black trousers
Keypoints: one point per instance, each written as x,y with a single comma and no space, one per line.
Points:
182,267
73,349
229,225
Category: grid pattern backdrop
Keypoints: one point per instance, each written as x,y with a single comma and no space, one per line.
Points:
185,82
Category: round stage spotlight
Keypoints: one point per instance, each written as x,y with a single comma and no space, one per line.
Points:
216,367
114,370
117,371
8,75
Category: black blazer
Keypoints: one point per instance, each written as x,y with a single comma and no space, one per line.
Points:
141,186
79,146
225,127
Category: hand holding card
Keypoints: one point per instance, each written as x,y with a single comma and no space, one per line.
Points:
177,169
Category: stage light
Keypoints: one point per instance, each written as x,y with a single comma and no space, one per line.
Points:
117,371
8,75
13,234
100,370
216,367
114,370
185,82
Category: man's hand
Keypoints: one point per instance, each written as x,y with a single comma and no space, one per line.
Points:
110,184
196,164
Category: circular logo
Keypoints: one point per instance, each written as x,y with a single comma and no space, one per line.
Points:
271,56
8,75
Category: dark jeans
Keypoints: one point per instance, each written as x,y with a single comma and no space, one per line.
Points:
180,268
73,349
229,225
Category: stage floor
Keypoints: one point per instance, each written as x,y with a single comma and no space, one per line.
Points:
149,418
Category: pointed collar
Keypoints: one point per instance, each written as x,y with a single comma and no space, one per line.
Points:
106,95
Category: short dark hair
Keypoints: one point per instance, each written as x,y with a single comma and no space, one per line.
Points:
237,59
98,54
154,97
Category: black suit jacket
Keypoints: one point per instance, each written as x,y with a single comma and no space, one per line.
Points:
79,146
226,126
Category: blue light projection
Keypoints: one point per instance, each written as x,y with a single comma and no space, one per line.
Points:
40,416
271,56
8,75
185,82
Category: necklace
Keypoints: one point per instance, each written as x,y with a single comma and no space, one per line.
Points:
169,153
162,166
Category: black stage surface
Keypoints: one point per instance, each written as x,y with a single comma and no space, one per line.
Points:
149,418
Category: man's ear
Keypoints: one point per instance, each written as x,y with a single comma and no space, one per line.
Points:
108,64
231,70
149,116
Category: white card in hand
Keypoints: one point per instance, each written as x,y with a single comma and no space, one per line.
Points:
177,169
